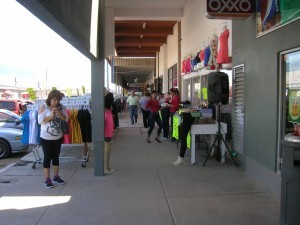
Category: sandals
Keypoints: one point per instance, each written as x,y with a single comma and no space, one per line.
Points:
148,140
156,139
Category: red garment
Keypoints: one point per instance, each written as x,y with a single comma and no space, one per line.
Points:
201,55
108,123
188,65
153,105
175,101
223,52
68,137
183,66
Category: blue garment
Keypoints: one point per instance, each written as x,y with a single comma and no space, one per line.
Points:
38,138
25,120
143,102
206,55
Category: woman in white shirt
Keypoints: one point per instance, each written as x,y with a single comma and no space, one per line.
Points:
50,117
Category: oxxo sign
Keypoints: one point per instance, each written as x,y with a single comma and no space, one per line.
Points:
229,9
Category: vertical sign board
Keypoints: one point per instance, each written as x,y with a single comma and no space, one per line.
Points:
229,9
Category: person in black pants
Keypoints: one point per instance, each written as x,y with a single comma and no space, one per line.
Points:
165,115
50,117
187,121
145,111
154,106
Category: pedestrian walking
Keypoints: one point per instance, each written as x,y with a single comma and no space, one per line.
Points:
154,106
133,101
145,111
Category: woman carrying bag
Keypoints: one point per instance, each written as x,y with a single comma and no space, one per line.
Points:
51,117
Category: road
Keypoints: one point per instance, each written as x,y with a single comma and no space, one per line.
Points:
13,158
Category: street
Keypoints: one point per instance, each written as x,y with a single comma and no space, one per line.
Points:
13,158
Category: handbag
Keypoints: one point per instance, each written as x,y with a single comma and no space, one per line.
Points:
65,127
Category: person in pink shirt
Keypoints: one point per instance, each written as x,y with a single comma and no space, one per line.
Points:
174,104
108,133
154,107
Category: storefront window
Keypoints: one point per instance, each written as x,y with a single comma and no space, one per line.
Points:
186,95
291,91
196,91
172,74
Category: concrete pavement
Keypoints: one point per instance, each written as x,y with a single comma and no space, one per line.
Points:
144,189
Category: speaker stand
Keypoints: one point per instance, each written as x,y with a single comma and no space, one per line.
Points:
219,138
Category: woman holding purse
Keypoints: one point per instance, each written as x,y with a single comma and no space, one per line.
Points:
50,117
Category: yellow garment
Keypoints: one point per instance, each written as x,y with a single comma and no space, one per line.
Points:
75,127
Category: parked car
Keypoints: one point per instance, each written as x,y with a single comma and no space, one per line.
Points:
11,105
10,142
11,130
9,119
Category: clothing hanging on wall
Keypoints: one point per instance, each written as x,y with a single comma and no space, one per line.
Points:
223,51
212,62
206,55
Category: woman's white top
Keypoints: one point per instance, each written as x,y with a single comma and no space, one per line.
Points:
51,130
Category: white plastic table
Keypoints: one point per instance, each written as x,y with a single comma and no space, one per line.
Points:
211,129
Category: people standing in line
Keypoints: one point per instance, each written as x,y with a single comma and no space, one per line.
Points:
165,115
133,101
174,105
154,107
108,130
50,116
145,111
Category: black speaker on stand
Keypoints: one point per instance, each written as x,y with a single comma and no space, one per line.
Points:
218,88
218,93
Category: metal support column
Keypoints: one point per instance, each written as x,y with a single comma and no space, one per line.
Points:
97,80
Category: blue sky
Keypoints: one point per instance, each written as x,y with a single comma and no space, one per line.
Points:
28,48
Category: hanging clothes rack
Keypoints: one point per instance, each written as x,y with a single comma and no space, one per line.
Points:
73,103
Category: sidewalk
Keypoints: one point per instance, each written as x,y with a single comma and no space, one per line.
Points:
145,189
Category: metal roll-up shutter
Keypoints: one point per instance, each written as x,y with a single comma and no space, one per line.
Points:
238,109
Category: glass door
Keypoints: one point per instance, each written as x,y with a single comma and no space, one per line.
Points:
289,102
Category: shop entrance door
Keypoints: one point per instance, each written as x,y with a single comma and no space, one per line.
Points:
238,109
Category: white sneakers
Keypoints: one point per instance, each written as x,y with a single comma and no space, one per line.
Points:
109,171
163,139
178,162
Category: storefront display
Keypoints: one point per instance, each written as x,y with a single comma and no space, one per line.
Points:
291,77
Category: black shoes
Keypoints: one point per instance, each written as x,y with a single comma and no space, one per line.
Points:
57,180
48,183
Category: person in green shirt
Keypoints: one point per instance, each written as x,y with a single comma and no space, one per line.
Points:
132,102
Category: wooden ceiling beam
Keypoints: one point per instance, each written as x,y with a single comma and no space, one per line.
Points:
137,49
149,23
126,40
140,31
132,54
138,44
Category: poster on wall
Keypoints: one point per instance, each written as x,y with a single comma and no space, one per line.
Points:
294,105
272,14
